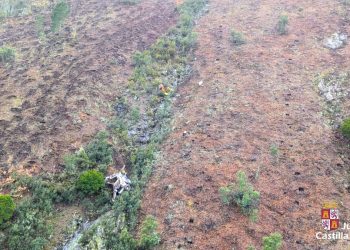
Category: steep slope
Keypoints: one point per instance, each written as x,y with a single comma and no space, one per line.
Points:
253,108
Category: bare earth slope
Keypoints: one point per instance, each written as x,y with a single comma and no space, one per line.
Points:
57,93
250,99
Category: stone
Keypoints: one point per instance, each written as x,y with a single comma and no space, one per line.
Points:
335,41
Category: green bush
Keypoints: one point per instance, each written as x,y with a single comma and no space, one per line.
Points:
149,236
242,194
272,242
59,14
282,24
7,54
99,151
345,128
90,181
30,230
126,241
7,207
237,38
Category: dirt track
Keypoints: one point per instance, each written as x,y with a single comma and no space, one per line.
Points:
252,98
57,93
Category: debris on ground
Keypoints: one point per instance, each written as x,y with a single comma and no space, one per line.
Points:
119,181
164,90
336,41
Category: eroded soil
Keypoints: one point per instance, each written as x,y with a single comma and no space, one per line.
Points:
60,91
241,103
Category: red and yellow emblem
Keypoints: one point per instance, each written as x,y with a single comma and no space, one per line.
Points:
330,216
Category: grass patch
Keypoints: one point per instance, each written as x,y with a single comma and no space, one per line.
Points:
345,128
272,242
39,25
7,54
10,8
130,2
282,24
59,13
237,38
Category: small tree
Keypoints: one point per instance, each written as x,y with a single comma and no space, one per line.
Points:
242,194
345,128
149,236
90,181
7,207
272,242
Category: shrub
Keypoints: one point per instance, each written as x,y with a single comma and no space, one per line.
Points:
345,128
90,181
7,54
126,241
242,194
59,14
272,242
237,38
149,236
30,230
282,24
7,207
99,151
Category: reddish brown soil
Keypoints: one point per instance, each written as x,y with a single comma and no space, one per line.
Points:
56,94
253,97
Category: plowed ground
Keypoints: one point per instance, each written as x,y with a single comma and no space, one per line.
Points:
242,102
60,91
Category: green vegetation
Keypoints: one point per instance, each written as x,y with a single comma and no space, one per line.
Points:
29,228
237,38
9,8
149,236
168,54
272,242
59,14
7,54
345,128
39,25
282,25
274,150
126,241
242,194
90,181
166,62
131,2
7,207
135,115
